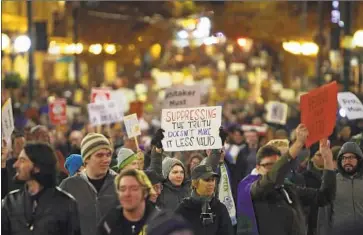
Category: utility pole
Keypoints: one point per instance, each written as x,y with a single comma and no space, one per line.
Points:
29,5
320,42
75,14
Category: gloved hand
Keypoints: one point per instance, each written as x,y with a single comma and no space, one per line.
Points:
223,134
157,138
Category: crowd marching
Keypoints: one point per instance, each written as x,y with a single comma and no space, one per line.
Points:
259,182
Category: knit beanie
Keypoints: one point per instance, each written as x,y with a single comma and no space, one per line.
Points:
93,142
168,164
124,157
73,163
167,222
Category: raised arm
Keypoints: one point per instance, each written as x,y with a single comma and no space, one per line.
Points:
156,152
216,156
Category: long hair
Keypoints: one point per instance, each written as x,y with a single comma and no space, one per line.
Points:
43,157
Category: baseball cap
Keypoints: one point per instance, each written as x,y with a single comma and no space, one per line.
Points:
203,172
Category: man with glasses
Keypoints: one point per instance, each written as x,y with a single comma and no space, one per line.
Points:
268,205
347,207
133,190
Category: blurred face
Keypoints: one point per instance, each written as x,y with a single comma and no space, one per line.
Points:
18,146
130,193
24,167
237,137
99,162
158,188
345,133
133,165
206,187
176,175
266,164
349,162
318,160
76,138
195,162
42,134
251,138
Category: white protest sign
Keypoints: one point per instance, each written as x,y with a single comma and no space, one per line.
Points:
182,97
132,125
123,98
276,112
191,129
351,104
106,112
7,121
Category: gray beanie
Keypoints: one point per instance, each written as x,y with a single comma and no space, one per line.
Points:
350,147
169,163
124,157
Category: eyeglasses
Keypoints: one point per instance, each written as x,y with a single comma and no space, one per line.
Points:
349,158
267,165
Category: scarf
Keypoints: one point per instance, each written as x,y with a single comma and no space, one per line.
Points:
225,193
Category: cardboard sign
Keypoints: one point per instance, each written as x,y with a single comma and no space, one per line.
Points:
7,121
101,94
351,104
318,112
276,112
182,97
58,111
191,129
132,125
104,113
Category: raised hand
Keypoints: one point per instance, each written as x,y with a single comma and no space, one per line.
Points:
157,138
223,134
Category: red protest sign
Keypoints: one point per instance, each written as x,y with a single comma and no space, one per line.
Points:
100,94
318,112
58,111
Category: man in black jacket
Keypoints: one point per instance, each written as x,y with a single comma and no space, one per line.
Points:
40,207
277,205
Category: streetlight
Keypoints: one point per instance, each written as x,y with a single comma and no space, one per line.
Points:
358,38
22,44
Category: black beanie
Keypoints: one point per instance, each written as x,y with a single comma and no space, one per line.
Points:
166,222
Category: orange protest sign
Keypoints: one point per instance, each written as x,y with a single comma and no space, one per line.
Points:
318,112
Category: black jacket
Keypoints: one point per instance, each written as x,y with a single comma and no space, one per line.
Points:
112,223
278,206
55,214
191,211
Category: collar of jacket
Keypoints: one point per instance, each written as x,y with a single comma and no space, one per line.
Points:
109,179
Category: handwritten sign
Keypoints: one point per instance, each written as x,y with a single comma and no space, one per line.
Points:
351,104
58,111
104,113
7,120
191,129
318,112
276,112
132,125
182,97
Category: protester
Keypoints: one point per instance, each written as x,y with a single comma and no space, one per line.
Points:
194,160
157,183
75,140
133,189
168,223
203,210
40,207
126,159
93,188
347,206
267,205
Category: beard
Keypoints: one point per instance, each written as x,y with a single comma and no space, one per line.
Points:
350,169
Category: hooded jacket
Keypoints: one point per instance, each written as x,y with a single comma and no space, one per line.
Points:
171,196
92,205
348,204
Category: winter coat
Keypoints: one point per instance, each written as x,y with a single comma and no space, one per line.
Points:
278,205
348,204
56,213
112,223
92,205
191,211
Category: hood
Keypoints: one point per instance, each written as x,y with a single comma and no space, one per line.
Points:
350,147
168,164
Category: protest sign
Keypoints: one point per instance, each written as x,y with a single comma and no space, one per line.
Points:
100,94
276,112
191,129
318,112
132,125
137,107
58,111
182,97
7,121
123,97
351,104
106,112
